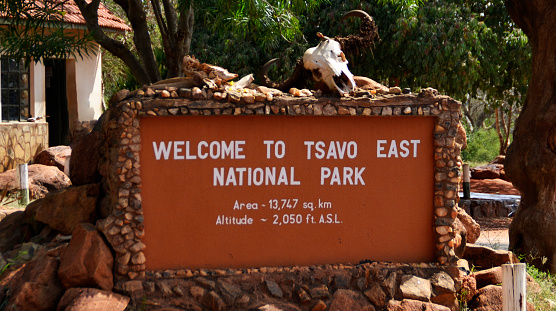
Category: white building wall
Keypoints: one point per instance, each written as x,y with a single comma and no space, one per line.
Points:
37,88
88,82
84,88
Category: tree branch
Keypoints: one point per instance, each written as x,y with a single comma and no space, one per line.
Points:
141,38
171,18
90,14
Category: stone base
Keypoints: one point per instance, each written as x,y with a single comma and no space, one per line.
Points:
368,286
490,206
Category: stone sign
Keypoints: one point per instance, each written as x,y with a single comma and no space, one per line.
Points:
251,191
216,183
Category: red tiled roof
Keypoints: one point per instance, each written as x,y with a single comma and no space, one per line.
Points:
105,17
73,16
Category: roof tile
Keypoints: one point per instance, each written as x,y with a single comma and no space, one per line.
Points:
105,18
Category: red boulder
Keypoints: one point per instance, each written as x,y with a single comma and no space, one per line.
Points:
87,261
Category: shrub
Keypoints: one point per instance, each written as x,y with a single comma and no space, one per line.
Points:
482,146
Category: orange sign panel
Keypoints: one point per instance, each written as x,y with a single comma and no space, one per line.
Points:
252,191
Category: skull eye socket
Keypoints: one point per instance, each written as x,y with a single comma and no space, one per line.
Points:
342,81
316,74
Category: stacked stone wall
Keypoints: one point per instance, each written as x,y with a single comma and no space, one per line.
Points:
121,165
20,142
79,129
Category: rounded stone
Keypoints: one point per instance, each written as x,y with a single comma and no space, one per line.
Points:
138,259
444,230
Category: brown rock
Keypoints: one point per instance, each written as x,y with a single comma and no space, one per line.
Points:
54,156
447,300
278,307
85,159
11,231
64,210
492,276
499,159
376,295
87,261
489,171
319,306
230,291
460,238
213,302
319,292
345,299
197,292
25,252
468,288
428,92
274,289
42,180
442,283
390,284
368,84
461,137
34,286
417,288
488,298
133,289
165,288
485,257
472,228
91,299
118,97
413,305
444,290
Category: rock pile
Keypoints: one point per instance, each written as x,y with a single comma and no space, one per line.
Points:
62,276
43,179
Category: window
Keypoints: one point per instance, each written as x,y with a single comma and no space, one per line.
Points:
14,89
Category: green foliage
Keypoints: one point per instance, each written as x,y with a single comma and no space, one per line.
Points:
457,47
34,30
115,76
482,146
547,290
463,48
266,23
409,6
238,35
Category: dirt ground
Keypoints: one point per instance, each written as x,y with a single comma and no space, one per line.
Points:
494,186
494,231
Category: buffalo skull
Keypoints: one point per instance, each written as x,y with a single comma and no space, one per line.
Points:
328,64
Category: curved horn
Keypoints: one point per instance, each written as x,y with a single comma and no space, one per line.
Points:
356,13
283,86
368,33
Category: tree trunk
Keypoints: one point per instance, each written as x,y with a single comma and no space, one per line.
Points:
142,38
502,150
89,12
503,129
531,158
176,33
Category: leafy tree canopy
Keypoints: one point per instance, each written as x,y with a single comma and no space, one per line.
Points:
467,49
171,22
25,36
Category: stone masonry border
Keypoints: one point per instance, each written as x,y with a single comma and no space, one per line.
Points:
20,142
121,166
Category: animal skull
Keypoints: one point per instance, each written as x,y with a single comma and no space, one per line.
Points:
328,64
